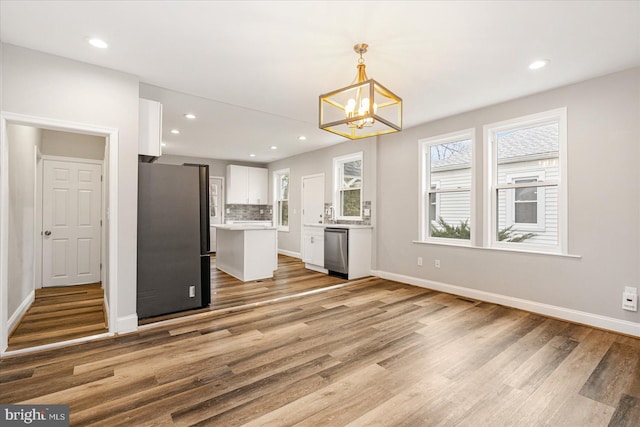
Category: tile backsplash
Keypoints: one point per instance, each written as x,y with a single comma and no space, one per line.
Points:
248,212
366,219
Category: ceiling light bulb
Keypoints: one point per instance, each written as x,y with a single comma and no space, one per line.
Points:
273,147
99,43
175,131
302,138
252,155
190,116
540,63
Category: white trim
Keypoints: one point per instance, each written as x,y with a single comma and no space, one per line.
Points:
111,135
72,159
337,183
127,323
55,345
538,250
223,189
290,253
568,314
21,311
316,268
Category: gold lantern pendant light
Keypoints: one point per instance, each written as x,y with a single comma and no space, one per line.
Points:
363,109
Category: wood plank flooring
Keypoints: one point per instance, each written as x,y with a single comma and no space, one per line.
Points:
226,291
61,313
375,353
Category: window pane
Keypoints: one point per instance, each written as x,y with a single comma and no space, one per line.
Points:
451,164
526,213
453,219
284,186
284,213
350,202
432,207
532,149
523,194
528,222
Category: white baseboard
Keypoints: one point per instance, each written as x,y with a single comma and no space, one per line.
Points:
127,324
290,253
595,320
20,311
316,268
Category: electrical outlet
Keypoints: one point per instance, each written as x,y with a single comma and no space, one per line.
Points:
630,299
437,263
228,210
192,291
420,261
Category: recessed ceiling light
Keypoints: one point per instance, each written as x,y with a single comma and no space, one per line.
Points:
302,138
252,155
273,147
540,63
190,116
175,131
99,43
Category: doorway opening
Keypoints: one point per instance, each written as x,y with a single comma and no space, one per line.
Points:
57,280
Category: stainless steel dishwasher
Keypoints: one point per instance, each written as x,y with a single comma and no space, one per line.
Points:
336,251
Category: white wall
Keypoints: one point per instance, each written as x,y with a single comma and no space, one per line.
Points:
321,161
216,167
603,204
23,142
68,144
48,86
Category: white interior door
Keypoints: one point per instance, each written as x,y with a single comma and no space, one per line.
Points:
312,199
71,212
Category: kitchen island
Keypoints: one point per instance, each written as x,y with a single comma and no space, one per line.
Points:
247,252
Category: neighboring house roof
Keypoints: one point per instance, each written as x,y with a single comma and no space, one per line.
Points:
512,146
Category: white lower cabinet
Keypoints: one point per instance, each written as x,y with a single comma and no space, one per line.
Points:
359,250
313,248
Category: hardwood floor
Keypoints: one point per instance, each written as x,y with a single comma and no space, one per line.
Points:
226,291
61,313
373,353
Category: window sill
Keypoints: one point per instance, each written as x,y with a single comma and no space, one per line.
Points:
558,254
283,229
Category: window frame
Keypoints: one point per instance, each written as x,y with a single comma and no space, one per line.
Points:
491,186
338,173
277,178
424,147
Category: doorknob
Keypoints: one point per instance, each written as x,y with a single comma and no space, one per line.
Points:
47,233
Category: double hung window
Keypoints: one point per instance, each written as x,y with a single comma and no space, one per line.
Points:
348,186
281,199
447,175
525,170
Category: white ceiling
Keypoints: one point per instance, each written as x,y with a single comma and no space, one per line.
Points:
252,70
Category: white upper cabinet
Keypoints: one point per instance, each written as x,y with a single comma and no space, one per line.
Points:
150,128
247,185
258,186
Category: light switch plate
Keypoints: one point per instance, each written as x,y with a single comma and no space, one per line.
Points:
367,212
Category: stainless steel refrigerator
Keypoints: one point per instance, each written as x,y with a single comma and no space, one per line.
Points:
173,239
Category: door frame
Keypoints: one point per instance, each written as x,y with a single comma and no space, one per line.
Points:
314,175
111,176
40,208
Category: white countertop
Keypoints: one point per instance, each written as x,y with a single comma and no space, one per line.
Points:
244,227
338,225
